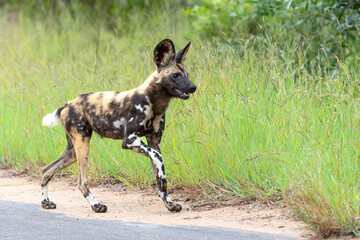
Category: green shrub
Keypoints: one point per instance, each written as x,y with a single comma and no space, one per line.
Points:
326,31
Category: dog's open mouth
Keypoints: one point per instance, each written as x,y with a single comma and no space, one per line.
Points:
181,94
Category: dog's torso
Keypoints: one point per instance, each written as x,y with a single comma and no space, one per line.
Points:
110,113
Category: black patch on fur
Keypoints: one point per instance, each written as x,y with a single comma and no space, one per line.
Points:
60,109
85,96
162,183
163,168
114,104
85,131
157,155
91,108
148,124
86,192
131,140
73,118
69,145
164,53
159,97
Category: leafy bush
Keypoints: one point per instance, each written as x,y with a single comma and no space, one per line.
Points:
325,30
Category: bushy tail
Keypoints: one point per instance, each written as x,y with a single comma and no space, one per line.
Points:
52,119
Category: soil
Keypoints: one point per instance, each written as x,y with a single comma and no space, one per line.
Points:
143,205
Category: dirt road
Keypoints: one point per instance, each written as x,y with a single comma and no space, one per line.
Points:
143,206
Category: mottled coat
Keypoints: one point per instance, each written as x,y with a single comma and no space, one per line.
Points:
126,115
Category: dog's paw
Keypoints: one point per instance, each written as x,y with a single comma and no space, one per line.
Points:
99,208
178,207
174,208
47,204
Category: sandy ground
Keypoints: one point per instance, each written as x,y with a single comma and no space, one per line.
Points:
135,205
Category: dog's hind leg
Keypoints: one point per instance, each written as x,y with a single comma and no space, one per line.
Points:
82,149
66,159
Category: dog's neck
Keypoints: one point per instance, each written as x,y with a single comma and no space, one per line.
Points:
157,95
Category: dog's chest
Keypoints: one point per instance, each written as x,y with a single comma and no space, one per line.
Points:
152,124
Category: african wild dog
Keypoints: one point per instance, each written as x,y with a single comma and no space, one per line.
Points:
126,115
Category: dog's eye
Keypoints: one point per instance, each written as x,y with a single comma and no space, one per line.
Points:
175,75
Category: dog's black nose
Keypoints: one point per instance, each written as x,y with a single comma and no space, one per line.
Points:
192,88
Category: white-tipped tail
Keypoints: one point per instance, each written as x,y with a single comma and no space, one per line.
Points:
51,120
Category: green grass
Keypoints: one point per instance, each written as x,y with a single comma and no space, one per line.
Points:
249,130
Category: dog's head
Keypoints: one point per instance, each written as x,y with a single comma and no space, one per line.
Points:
171,73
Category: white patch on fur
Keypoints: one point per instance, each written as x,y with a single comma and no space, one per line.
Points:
140,108
44,192
167,199
155,160
51,120
131,119
161,194
136,143
91,200
148,113
119,123
143,109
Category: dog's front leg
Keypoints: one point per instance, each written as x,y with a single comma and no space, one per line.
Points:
135,143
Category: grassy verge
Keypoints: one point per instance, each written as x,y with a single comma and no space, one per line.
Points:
249,131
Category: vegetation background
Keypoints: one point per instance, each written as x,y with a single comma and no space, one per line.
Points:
276,115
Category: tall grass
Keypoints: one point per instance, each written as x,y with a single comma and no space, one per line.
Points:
249,131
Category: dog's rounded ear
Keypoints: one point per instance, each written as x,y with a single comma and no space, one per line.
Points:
181,55
164,53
